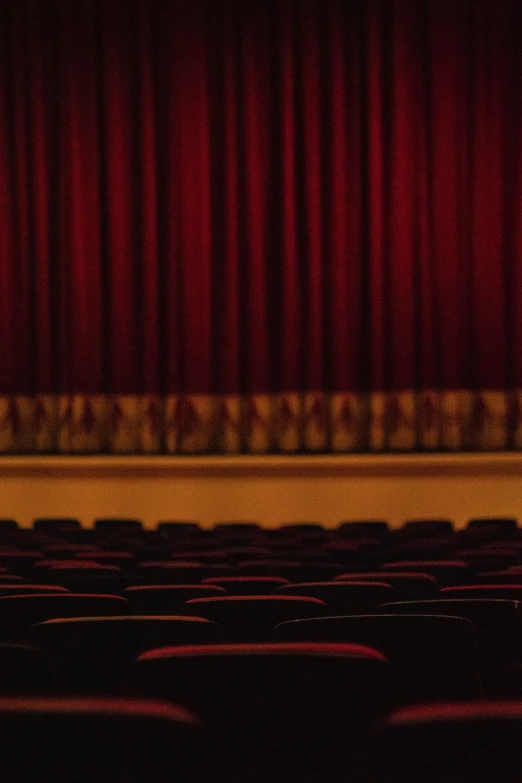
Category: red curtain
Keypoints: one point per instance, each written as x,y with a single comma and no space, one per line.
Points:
288,225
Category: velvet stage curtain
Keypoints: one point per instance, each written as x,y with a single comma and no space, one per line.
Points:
260,227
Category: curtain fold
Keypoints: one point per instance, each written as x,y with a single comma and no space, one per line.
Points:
289,226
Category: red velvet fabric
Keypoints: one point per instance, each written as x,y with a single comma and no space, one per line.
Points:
256,197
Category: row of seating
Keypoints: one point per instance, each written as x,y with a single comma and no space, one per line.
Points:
138,741
455,649
184,527
295,654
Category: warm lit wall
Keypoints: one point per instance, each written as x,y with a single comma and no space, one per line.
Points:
268,489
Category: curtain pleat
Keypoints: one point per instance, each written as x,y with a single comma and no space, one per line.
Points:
266,227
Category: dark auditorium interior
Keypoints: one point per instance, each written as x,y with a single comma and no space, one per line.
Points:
261,391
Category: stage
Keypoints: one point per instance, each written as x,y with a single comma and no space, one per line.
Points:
269,489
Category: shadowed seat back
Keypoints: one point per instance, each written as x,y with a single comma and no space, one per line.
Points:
493,527
509,592
56,524
252,618
91,653
457,743
499,631
285,711
176,529
25,588
84,576
363,528
292,569
117,525
182,572
102,740
25,670
248,585
427,527
409,586
345,597
437,656
19,612
447,572
166,599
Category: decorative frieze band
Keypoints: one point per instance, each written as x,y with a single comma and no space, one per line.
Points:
405,421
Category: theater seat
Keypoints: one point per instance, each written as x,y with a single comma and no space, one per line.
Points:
504,577
25,670
293,570
252,618
410,586
437,656
176,528
111,557
90,653
453,743
56,524
302,528
178,572
102,740
285,712
425,548
20,562
364,527
427,527
348,553
67,550
166,599
499,527
10,579
499,632
510,592
232,528
26,588
447,572
205,558
8,526
19,612
345,597
247,585
117,525
82,576
238,553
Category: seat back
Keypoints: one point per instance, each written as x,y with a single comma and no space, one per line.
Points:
56,524
247,585
104,740
25,670
284,711
427,527
19,612
437,656
166,599
509,592
454,743
118,525
447,572
178,572
252,618
90,654
352,597
499,632
410,586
